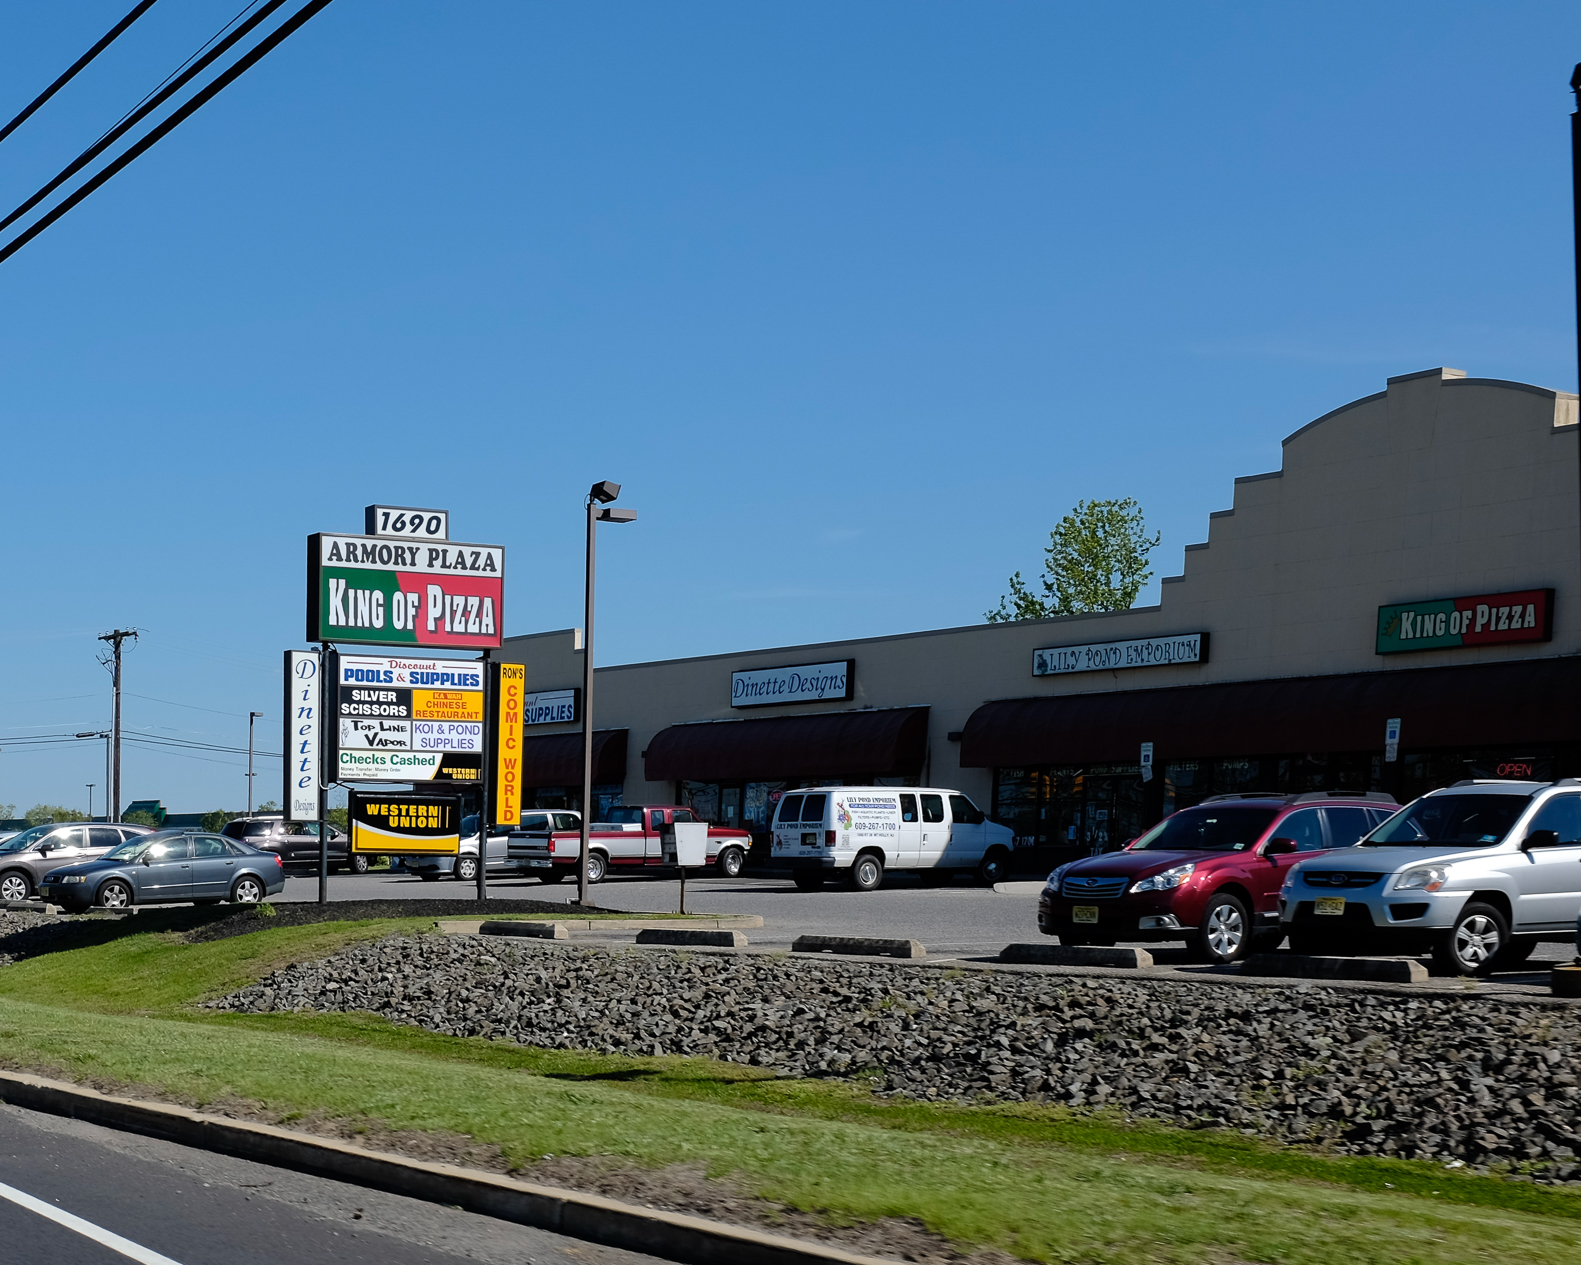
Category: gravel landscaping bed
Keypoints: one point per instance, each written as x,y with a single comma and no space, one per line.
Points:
1460,1080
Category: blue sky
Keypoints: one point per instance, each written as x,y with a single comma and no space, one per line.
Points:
855,300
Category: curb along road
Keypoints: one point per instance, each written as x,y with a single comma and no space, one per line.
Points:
675,1235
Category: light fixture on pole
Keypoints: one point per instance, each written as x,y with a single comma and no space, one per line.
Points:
598,498
251,717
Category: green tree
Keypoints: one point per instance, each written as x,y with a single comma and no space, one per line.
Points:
268,806
340,818
216,820
7,812
1096,561
40,813
140,818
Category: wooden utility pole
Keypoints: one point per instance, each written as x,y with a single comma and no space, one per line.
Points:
113,804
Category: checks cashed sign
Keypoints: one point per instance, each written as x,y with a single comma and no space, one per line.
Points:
373,590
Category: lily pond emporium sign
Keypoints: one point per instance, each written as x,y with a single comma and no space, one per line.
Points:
1139,652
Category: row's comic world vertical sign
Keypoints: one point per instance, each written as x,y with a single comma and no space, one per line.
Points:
510,686
372,590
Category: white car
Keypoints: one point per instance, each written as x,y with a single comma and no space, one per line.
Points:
1478,873
860,831
464,866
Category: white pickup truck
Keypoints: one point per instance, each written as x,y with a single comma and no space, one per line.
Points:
627,840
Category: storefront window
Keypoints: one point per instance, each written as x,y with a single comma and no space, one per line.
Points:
605,797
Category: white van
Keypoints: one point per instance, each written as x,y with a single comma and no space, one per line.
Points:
861,831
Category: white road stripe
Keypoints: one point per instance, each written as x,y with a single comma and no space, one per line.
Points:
143,1255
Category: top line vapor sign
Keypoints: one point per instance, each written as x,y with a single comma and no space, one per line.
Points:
379,591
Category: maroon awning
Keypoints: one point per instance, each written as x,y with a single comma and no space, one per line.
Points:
886,742
1526,700
556,759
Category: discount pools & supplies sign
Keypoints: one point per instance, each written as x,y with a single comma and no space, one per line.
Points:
380,591
405,824
1141,652
1491,619
403,720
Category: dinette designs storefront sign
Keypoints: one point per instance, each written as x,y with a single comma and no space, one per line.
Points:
1443,623
804,683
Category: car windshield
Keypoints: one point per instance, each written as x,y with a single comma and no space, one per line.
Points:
25,840
1221,828
1474,821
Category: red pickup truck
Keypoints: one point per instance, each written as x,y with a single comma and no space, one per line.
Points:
627,839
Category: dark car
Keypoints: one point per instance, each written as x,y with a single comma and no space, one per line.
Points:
295,843
26,857
166,867
1209,875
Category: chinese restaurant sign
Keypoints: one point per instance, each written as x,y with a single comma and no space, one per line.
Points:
1492,619
380,591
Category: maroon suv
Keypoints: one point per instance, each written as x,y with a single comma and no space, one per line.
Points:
1209,875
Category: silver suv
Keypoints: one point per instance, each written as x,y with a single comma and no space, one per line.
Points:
1477,873
25,857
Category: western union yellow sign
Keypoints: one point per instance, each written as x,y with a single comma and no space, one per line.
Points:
406,824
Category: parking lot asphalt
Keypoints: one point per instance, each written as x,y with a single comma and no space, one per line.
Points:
962,921
196,1208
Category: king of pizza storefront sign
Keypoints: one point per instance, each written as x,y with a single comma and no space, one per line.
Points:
371,590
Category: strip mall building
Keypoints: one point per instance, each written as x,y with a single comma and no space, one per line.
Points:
1416,558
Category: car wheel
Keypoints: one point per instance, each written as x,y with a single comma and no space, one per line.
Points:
1225,933
247,891
1470,946
807,880
554,875
115,895
358,863
597,867
994,868
14,886
466,869
868,873
731,862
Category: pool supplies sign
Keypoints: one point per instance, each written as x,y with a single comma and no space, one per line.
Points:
303,734
1491,619
1100,656
392,591
404,720
405,825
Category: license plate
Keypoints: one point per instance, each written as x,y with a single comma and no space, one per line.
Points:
1331,905
1084,913
809,839
540,865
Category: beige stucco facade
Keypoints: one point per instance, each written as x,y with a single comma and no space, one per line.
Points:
1441,485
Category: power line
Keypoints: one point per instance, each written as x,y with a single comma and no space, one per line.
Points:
136,115
109,38
245,63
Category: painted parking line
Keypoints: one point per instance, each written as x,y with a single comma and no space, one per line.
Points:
143,1255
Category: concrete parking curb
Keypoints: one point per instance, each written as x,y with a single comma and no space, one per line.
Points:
865,946
1020,887
1389,970
1075,955
674,1235
537,930
694,936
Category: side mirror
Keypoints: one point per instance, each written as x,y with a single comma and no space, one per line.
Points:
45,849
1278,847
1540,839
146,860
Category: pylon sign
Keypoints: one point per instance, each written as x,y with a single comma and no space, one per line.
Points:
384,591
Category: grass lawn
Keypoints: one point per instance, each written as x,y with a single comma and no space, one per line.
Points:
1042,1183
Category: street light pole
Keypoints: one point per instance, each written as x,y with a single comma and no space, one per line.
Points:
251,717
598,498
90,801
105,734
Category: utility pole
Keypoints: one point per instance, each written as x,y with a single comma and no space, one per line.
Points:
90,801
113,804
251,717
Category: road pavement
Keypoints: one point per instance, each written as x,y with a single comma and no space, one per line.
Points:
168,1203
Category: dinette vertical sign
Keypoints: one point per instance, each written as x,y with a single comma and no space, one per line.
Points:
303,734
510,688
